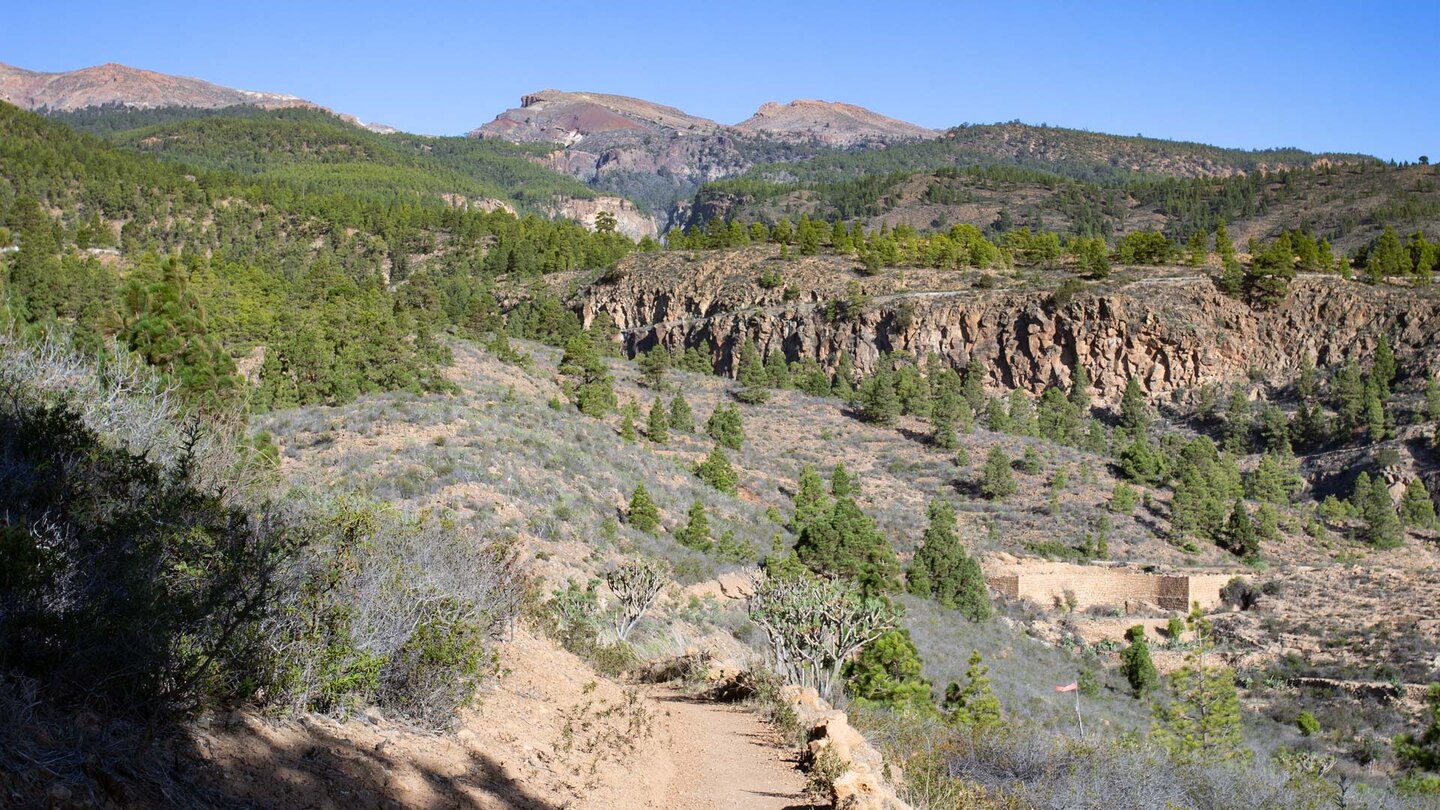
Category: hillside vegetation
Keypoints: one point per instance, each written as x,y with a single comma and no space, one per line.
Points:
294,449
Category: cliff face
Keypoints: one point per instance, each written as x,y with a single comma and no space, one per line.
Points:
1171,330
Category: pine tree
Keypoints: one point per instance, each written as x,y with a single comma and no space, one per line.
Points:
843,385
847,543
888,672
1432,400
1135,663
1134,413
1201,724
1223,246
654,364
1030,461
842,483
725,426
912,391
1196,250
682,419
717,471
696,531
973,706
777,371
942,418
627,425
1058,420
754,382
997,481
642,515
1238,422
1021,415
1384,369
1239,536
657,427
1372,500
586,377
878,402
942,569
811,504
1079,394
1416,507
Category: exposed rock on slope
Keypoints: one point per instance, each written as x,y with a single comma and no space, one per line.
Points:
831,123
1171,330
143,89
119,84
561,117
629,220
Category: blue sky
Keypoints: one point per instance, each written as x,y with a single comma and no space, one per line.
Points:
1318,75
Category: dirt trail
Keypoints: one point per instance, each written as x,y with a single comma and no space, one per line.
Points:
722,756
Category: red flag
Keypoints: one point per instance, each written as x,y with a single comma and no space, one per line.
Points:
1069,687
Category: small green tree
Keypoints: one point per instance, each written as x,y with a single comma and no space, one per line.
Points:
585,377
1416,507
654,365
726,427
642,514
1307,724
1201,724
717,471
1134,412
627,424
696,531
810,501
941,568
1239,535
657,426
754,381
1372,500
1135,663
888,672
997,481
878,401
847,543
974,705
1124,498
682,419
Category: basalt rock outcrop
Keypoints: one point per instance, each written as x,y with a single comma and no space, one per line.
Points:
1171,330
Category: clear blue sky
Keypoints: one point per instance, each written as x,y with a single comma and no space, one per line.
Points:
1358,76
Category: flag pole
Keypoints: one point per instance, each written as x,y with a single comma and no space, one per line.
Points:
1078,718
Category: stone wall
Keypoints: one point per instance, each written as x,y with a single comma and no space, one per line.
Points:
1101,586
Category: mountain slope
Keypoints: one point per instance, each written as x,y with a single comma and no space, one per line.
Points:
831,123
562,117
120,84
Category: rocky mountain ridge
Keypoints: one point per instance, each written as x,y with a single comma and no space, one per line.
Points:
1171,330
115,84
832,123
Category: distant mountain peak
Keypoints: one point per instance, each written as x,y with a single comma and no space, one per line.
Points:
566,117
113,83
832,122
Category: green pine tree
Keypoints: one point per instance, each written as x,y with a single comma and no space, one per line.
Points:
973,706
657,427
1201,724
1416,507
941,569
997,481
696,531
754,382
1135,663
682,419
726,427
888,673
717,471
811,504
878,401
1134,412
643,515
847,543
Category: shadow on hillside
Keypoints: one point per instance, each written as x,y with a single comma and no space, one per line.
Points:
321,769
